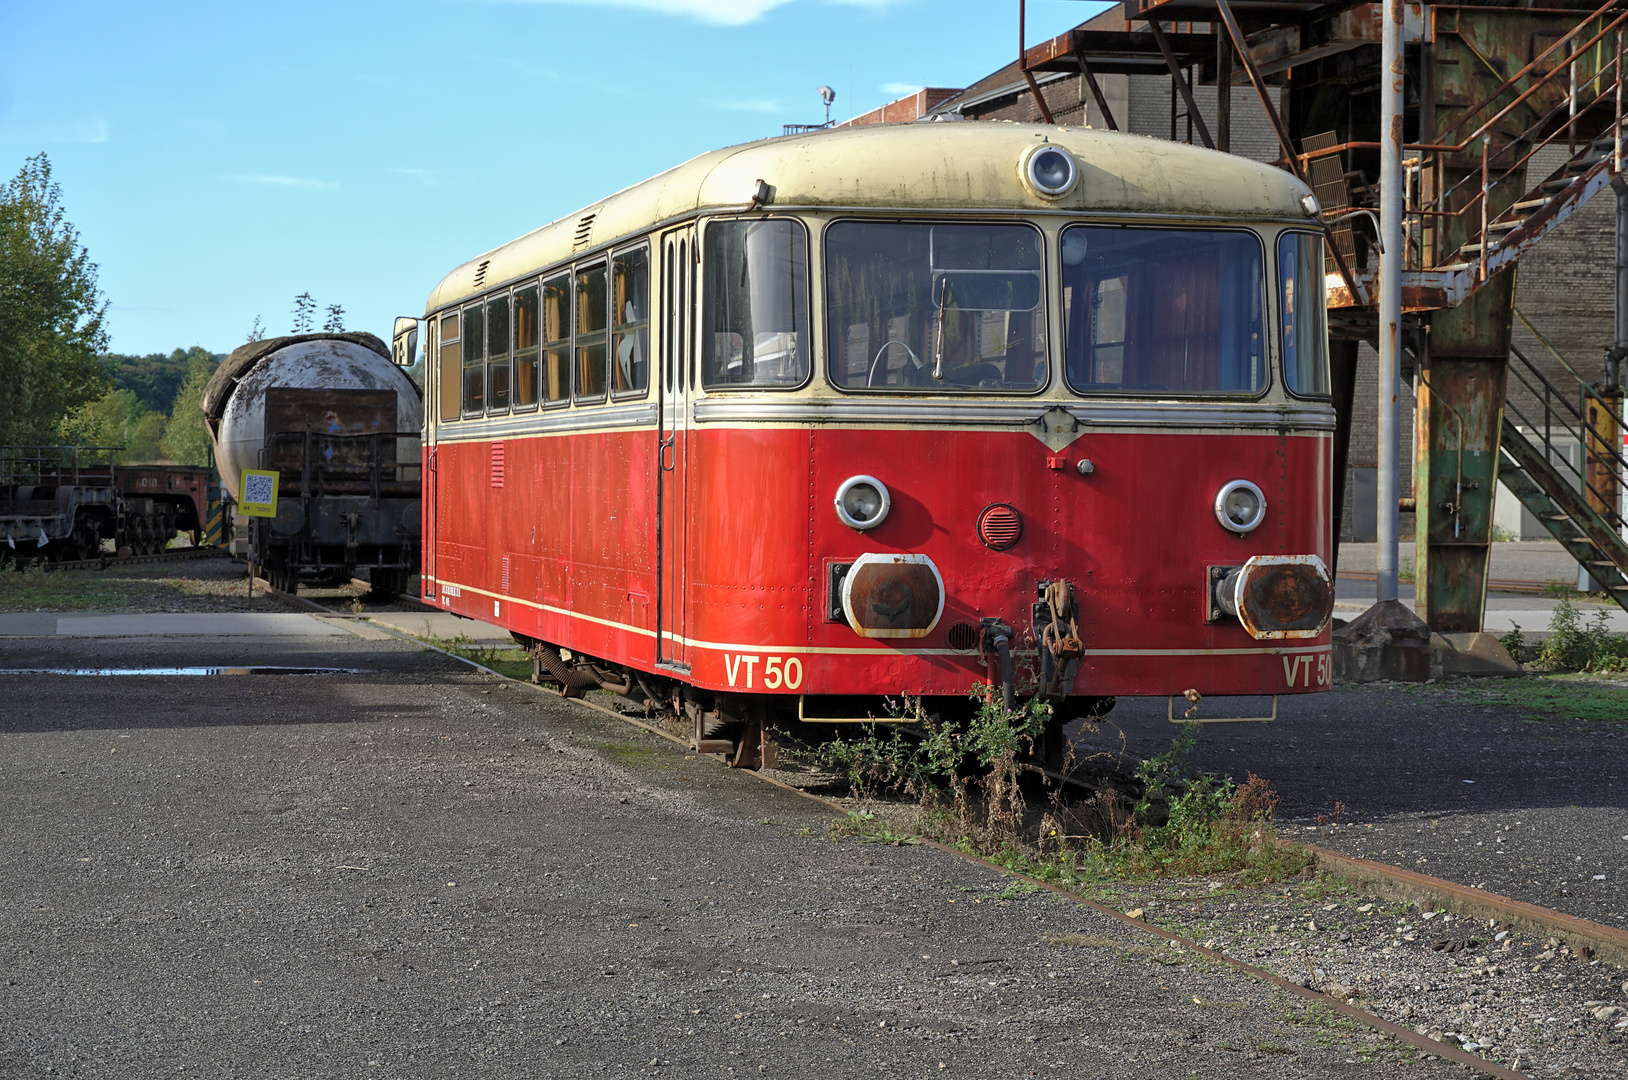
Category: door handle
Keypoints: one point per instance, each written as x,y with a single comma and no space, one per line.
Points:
666,445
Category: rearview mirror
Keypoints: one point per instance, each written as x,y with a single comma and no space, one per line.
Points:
405,341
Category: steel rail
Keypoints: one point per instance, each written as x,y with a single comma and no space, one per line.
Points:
109,562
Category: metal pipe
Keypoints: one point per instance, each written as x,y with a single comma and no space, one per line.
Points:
1620,186
1486,200
1178,85
1390,300
1023,66
1003,649
1096,90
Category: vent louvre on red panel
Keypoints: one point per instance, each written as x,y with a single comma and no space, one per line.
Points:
962,636
505,574
999,526
497,464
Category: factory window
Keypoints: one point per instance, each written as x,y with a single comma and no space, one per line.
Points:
451,366
630,305
497,354
556,343
525,346
474,342
589,333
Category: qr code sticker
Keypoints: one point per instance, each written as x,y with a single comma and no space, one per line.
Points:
259,489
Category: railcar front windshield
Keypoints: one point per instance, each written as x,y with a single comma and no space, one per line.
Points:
935,307
1152,311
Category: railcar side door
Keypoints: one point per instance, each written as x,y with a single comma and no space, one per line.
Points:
673,390
429,474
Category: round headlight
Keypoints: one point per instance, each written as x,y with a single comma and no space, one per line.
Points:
862,502
1239,506
1050,169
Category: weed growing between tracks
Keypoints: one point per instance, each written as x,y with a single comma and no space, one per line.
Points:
964,775
514,663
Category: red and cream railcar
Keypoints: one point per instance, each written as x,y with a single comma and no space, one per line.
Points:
870,411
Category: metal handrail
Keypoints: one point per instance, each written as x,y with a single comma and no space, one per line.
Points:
1598,86
1585,443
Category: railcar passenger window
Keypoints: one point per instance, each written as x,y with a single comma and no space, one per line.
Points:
451,367
1303,309
589,337
525,347
497,354
630,322
1163,311
935,307
474,360
754,329
556,340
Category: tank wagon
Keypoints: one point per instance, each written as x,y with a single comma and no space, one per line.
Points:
814,421
59,503
340,425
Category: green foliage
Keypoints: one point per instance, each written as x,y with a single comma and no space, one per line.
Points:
157,377
1516,645
305,313
117,418
51,311
186,437
969,761
1574,645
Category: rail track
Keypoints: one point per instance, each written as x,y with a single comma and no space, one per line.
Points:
108,562
1501,585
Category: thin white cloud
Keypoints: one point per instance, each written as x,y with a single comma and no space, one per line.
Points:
762,106
718,12
900,89
94,130
427,177
284,181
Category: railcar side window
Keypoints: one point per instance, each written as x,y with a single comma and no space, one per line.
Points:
1163,311
754,329
1302,307
935,307
451,367
525,347
557,339
497,354
474,360
630,322
589,337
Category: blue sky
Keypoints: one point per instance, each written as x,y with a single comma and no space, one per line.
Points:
220,158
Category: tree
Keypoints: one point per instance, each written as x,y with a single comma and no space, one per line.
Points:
257,332
51,311
117,419
336,320
186,437
305,310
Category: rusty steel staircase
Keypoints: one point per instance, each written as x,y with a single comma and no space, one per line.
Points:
1469,212
1577,502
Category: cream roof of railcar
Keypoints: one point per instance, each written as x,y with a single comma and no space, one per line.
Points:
972,165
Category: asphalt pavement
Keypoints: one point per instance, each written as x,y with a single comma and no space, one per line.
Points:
408,869
1443,779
